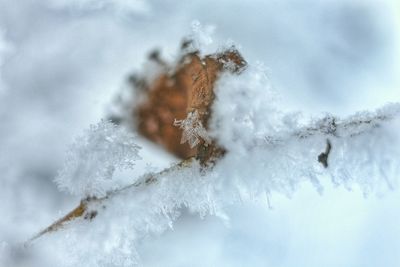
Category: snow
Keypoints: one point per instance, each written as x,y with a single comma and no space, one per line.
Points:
65,60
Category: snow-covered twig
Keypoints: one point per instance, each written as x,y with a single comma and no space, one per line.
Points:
153,202
87,208
328,126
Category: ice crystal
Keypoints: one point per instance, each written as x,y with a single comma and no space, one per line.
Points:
270,151
193,129
94,157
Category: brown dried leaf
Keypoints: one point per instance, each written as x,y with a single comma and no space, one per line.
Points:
177,93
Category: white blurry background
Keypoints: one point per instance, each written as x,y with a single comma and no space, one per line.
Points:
62,62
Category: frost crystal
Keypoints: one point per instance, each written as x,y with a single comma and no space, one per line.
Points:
270,151
282,149
193,129
94,157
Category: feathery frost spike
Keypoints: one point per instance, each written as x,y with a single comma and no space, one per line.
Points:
94,157
193,129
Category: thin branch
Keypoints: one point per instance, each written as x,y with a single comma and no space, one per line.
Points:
83,210
332,126
329,126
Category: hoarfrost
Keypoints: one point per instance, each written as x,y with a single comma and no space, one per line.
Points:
249,172
281,148
119,228
193,129
94,157
269,150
